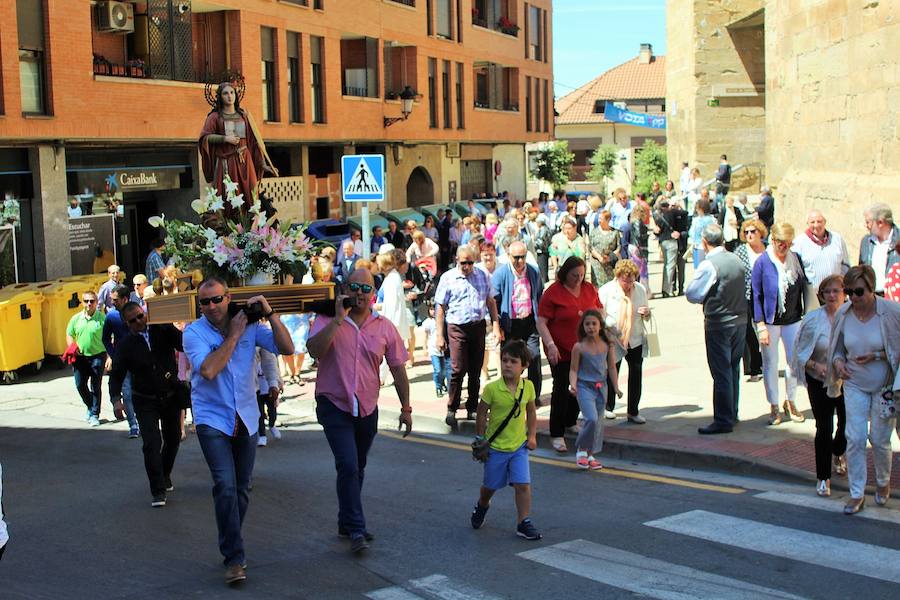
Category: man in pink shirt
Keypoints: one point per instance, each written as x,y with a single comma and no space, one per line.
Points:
350,348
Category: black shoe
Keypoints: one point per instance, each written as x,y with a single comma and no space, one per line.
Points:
527,530
359,544
343,533
159,500
451,419
470,415
440,392
478,514
713,429
169,486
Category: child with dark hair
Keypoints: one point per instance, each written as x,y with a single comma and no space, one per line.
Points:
511,433
592,359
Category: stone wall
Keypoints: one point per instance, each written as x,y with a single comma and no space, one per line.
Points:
703,52
833,102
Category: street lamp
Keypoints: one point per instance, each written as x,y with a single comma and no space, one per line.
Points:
406,98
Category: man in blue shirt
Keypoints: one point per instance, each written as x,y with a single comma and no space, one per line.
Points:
114,331
222,352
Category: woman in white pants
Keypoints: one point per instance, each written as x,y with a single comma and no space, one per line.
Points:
864,355
778,289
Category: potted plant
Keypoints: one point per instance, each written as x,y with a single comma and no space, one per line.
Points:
508,27
136,68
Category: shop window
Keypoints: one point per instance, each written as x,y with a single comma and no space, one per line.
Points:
269,83
32,58
317,77
399,70
460,112
295,84
359,67
432,93
496,87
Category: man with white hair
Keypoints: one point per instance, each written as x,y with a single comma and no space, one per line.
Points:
346,264
877,249
822,253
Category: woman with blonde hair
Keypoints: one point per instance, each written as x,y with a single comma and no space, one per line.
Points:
567,243
779,287
491,223
752,234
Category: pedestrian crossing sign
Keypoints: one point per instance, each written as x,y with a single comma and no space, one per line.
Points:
362,177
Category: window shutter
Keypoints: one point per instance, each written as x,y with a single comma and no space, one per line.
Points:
30,19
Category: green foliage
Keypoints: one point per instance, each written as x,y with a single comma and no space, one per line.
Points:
603,163
651,165
552,164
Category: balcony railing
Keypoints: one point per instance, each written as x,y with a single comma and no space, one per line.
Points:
507,106
137,69
355,91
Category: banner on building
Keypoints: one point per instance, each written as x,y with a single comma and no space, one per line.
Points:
9,270
620,115
92,243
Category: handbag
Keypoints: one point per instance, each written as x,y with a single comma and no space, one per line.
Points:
889,403
481,448
651,338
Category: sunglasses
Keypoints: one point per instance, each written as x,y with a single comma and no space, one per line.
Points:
136,318
750,230
517,257
364,287
90,301
212,299
467,262
858,291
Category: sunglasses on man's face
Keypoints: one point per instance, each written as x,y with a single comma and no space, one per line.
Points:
211,299
136,318
467,262
858,291
90,300
364,287
517,257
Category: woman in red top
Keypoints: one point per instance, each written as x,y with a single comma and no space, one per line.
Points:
559,313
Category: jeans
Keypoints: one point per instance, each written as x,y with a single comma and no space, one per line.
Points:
864,420
823,409
673,268
350,439
788,335
526,330
160,445
699,256
89,370
635,359
230,460
591,400
129,403
563,405
724,346
440,371
466,357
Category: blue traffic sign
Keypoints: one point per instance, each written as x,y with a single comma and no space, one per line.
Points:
362,177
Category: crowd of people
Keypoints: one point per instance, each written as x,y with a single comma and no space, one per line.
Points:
510,286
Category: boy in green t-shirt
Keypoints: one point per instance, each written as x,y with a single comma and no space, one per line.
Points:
507,463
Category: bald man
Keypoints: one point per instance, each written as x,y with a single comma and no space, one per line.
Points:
822,253
350,347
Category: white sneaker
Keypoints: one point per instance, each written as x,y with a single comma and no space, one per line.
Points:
609,414
261,441
275,432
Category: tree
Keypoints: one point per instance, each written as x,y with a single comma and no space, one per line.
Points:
651,165
552,164
603,164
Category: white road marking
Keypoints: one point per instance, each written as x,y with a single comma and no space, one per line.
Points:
644,575
434,586
813,548
833,505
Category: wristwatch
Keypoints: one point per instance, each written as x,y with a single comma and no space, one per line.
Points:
269,314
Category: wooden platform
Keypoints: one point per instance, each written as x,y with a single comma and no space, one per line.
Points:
183,306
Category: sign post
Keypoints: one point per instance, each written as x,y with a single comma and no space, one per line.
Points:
362,180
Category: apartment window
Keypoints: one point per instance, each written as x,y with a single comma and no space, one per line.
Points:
299,2
399,70
32,67
270,95
460,118
547,107
496,87
429,16
319,4
527,103
494,14
534,33
444,19
537,104
359,67
295,100
445,84
317,77
432,93
406,2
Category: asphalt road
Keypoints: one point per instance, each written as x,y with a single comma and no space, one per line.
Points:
82,527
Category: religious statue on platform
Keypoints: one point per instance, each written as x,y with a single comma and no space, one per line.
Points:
230,143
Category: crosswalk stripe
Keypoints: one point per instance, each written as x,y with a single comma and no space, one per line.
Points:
813,548
644,575
831,505
434,586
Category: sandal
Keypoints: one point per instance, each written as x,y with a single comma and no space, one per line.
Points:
559,444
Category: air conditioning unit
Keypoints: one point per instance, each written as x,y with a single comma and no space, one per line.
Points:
115,16
453,150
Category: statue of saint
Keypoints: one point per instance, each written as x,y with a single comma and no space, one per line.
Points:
230,143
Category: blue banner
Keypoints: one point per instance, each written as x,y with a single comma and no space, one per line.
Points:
613,113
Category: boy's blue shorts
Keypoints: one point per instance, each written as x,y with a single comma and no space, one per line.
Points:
506,468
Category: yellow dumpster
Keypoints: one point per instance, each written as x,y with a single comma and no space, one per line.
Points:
62,299
21,341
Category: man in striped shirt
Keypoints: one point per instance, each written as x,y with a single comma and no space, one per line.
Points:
822,253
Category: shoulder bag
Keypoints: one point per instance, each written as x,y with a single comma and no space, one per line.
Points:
481,448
